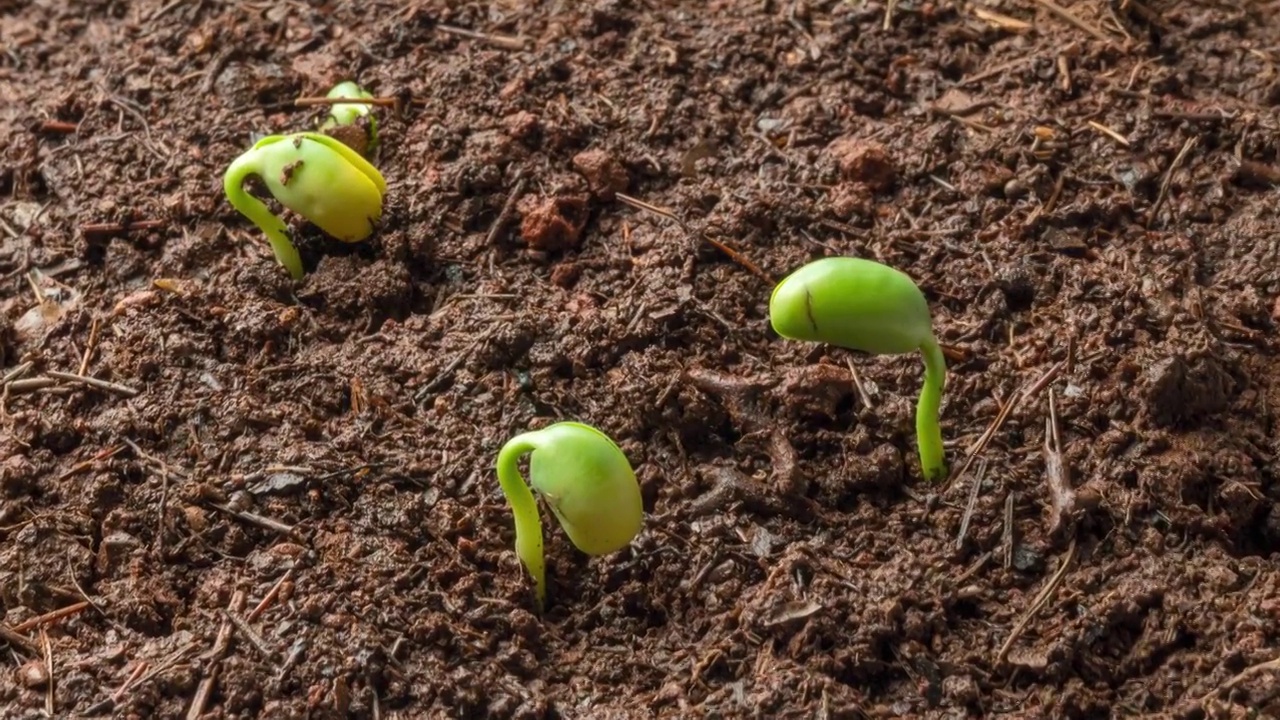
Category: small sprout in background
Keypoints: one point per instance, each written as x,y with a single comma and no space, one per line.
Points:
352,123
315,176
864,305
586,480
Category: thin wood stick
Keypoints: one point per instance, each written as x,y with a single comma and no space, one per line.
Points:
1066,14
1062,497
116,388
61,127
1018,398
89,348
29,385
313,101
506,42
48,668
17,372
733,255
1243,675
1009,537
1114,135
133,678
220,646
19,641
1168,180
1039,602
973,502
888,14
857,384
261,521
170,661
508,208
51,616
270,596
111,228
251,635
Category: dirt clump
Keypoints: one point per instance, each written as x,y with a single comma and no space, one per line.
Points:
552,224
604,174
865,162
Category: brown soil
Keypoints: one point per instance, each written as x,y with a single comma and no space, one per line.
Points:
1090,206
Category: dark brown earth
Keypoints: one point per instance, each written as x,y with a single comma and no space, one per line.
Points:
1090,205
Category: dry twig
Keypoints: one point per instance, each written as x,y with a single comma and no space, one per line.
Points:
1113,134
1067,15
732,254
18,641
313,101
1004,22
220,647
115,228
863,396
1062,497
1168,180
973,502
51,616
261,521
111,387
251,635
271,596
52,682
506,42
1008,537
508,208
1269,665
1039,602
1018,398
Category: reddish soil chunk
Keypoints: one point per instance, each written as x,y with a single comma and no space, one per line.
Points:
604,174
551,224
864,162
228,494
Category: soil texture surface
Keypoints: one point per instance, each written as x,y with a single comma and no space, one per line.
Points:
225,493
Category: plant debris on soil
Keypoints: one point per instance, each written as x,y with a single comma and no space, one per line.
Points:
226,494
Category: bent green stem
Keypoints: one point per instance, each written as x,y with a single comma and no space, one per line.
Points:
928,432
257,211
524,508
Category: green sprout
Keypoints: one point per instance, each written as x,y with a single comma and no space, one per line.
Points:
586,480
315,176
864,305
345,119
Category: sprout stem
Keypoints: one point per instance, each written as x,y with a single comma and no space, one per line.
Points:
524,508
928,432
261,215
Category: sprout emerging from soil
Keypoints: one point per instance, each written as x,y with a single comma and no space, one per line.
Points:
315,176
352,123
864,305
587,481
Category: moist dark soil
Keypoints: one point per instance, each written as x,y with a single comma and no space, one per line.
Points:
276,499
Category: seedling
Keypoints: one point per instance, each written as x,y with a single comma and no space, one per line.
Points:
587,481
864,305
315,176
352,123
